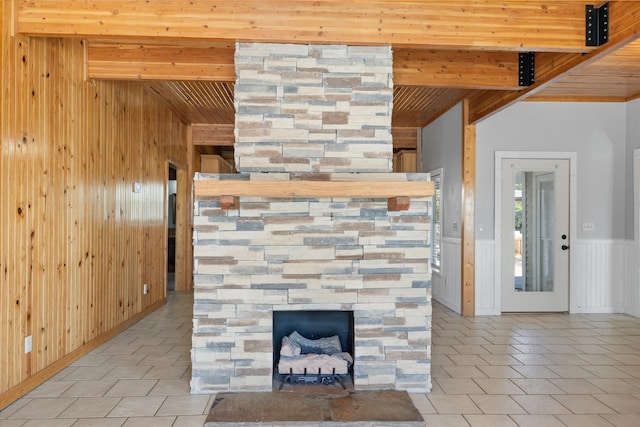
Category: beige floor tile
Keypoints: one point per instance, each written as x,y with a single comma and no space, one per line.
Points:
530,348
469,349
583,404
458,386
598,359
50,389
614,386
503,338
122,360
99,422
498,386
499,372
500,349
112,349
62,422
190,421
571,371
131,388
454,404
446,421
622,420
535,371
621,403
634,370
127,372
463,372
165,372
532,359
441,359
88,407
89,388
490,421
540,405
576,386
15,406
42,408
499,360
152,349
91,359
443,349
584,421
184,405
88,373
537,421
466,359
137,406
606,372
160,360
497,404
590,349
169,387
422,403
150,422
12,423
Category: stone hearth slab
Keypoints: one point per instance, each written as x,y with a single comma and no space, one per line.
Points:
315,406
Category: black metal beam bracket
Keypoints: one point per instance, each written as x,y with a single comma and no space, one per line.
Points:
526,68
597,24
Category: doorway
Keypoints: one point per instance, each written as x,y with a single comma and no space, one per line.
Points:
172,189
535,235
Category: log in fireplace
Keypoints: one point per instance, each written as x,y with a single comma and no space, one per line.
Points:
312,347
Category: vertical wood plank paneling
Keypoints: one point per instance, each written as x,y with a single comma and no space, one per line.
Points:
76,242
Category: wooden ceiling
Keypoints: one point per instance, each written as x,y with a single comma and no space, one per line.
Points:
444,51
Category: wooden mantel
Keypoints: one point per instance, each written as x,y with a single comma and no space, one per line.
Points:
308,188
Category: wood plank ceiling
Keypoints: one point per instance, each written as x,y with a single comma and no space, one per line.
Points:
444,51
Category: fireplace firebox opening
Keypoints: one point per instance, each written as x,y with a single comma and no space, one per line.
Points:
321,335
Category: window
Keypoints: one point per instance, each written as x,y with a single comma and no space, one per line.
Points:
436,220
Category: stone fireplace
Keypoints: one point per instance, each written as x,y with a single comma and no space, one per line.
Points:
310,117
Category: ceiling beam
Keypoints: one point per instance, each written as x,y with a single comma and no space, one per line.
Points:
624,27
461,69
458,24
121,61
411,67
217,135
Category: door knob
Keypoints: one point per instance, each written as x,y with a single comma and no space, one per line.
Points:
564,247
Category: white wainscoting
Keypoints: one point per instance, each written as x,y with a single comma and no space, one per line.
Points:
599,275
632,294
604,277
487,294
445,285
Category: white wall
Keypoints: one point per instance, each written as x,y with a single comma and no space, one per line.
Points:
598,134
632,296
442,148
605,262
595,131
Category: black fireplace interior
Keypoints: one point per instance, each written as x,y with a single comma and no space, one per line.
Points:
313,325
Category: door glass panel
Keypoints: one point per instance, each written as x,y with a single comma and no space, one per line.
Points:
534,209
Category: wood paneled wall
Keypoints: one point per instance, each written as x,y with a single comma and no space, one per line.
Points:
76,243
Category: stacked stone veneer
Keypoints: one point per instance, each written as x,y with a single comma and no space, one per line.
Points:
306,108
311,112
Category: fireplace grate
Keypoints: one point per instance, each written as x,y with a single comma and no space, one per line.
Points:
312,378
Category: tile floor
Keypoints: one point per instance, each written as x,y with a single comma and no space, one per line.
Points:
513,370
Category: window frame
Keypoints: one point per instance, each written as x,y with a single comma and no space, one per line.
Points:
435,258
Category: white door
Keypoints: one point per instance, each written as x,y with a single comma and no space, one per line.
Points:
535,235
